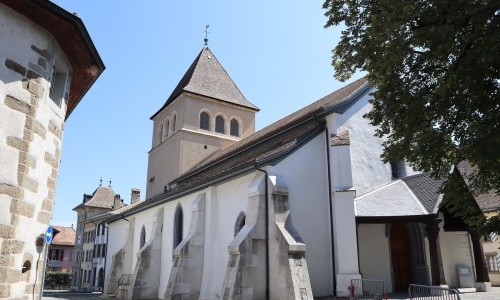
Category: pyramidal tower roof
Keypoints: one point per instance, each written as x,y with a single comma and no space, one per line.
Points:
207,77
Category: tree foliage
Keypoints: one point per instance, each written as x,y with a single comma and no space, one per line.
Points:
436,67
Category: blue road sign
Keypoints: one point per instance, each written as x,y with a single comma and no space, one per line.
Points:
48,235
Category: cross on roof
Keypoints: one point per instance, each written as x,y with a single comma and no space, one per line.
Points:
206,35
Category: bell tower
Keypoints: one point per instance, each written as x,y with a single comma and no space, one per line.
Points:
205,112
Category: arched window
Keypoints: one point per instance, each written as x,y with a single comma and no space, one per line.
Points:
220,124
235,127
174,118
204,120
143,237
240,222
178,220
160,133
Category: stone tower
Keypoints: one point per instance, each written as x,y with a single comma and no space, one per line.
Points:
47,64
205,112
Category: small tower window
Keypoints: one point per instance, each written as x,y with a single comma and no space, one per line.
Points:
220,124
166,132
204,121
174,118
143,237
235,127
240,222
160,133
178,220
57,84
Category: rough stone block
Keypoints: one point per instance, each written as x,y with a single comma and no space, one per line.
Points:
53,173
43,52
17,104
28,135
4,290
51,160
33,87
55,129
27,182
13,191
6,261
15,67
27,159
36,127
50,195
51,183
8,275
7,232
18,143
47,204
22,208
11,247
44,217
42,62
32,75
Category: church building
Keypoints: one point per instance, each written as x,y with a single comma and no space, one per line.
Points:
293,211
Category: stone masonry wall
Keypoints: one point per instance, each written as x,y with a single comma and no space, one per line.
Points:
30,149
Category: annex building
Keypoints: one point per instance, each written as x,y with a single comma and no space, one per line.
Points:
293,211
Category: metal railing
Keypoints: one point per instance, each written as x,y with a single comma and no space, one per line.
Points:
426,292
368,289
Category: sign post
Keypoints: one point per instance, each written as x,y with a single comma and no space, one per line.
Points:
48,239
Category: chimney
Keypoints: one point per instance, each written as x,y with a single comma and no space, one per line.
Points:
118,202
135,195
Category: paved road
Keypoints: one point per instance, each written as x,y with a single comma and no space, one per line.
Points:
69,296
494,295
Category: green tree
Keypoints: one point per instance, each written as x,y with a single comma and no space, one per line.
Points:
436,67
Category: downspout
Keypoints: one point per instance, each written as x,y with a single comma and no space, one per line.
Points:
330,207
266,192
105,256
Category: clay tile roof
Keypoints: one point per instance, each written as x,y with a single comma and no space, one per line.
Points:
102,197
66,236
207,77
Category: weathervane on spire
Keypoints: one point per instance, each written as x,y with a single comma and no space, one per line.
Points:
110,182
206,35
100,183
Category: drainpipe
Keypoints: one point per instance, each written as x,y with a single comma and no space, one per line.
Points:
330,208
266,191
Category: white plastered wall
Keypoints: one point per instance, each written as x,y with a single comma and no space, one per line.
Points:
305,174
456,249
374,253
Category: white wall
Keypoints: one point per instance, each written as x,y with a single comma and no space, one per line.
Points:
456,249
305,174
374,253
368,170
116,240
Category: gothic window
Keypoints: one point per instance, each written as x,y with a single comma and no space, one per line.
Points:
240,222
204,121
220,124
235,127
178,220
143,237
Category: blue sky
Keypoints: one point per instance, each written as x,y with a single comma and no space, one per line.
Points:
277,53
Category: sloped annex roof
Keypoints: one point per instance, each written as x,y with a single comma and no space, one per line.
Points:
65,236
415,195
110,213
207,77
102,197
489,201
266,146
